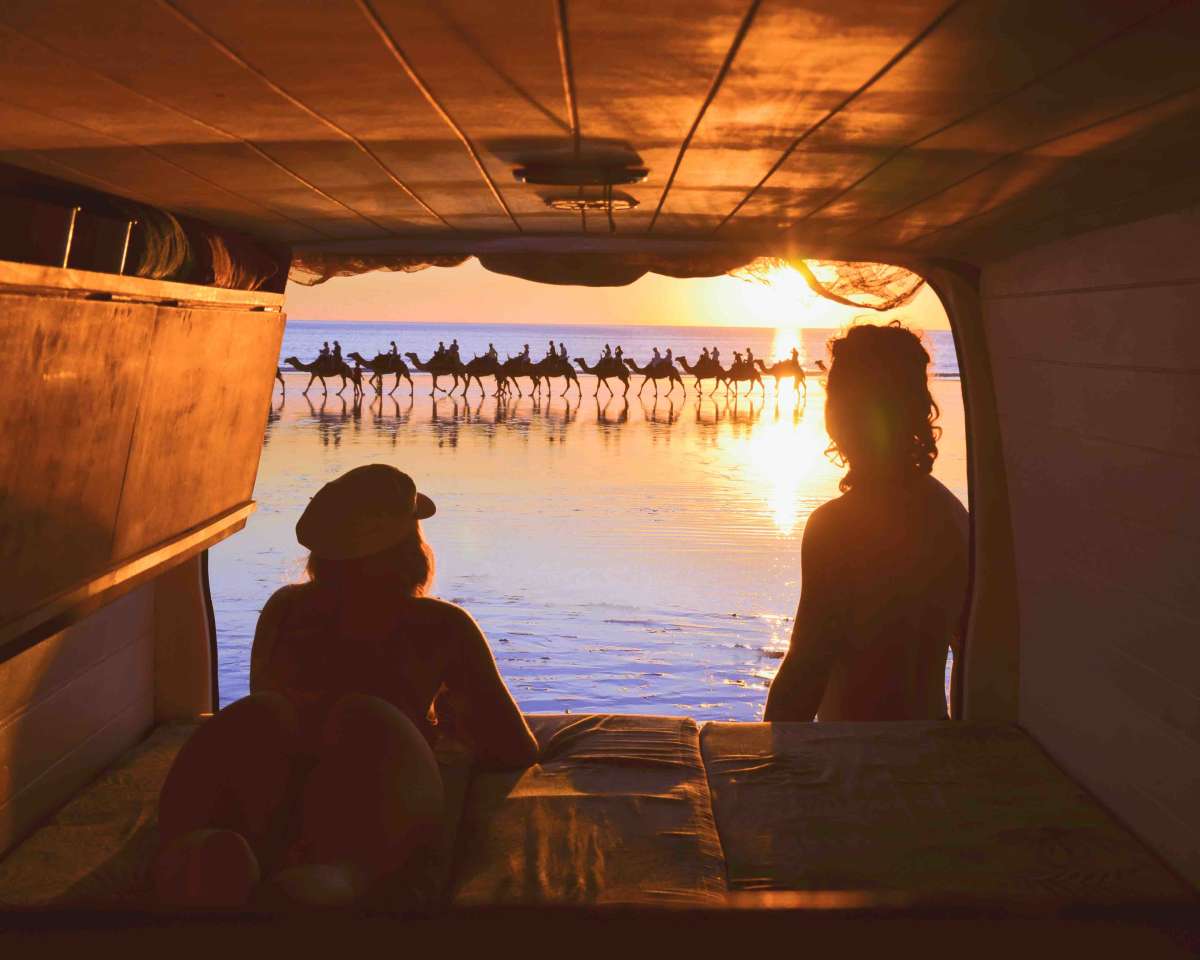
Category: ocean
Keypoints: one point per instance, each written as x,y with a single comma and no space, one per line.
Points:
637,555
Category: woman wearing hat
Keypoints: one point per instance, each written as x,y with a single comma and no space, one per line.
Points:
323,779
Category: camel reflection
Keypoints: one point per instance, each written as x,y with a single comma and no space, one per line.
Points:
332,416
451,420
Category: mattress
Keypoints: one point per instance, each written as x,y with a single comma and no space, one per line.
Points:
96,849
616,812
944,808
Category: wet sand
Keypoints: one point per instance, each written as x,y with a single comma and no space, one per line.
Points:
639,557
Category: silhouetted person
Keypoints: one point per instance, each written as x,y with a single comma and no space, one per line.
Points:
657,357
795,356
608,351
324,353
704,354
669,359
394,351
551,350
452,351
562,350
524,354
441,349
491,352
620,354
749,355
322,781
337,351
716,355
883,566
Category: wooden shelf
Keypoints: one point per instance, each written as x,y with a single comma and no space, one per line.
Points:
60,281
77,602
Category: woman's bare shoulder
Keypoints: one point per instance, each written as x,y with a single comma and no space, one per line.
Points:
434,610
287,597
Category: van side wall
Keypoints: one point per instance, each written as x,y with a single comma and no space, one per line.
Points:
1095,349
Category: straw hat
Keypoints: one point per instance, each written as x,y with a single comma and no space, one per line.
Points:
364,511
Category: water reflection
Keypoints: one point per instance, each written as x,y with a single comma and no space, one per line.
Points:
623,554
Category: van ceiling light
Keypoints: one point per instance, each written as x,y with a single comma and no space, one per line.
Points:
596,204
579,173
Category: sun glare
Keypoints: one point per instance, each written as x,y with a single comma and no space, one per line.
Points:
782,299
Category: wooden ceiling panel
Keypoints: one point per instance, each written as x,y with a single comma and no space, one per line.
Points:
357,85
495,70
139,43
642,71
948,75
1083,95
926,124
1168,124
797,63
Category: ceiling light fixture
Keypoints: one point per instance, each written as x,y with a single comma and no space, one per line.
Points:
579,173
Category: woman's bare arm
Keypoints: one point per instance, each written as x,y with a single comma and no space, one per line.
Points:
485,711
799,686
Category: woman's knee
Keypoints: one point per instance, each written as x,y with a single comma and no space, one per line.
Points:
359,724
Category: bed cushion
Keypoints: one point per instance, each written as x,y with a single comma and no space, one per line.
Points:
96,848
941,808
616,811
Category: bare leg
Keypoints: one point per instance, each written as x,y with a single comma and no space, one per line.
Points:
373,799
223,804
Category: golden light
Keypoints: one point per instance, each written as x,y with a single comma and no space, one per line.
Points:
781,299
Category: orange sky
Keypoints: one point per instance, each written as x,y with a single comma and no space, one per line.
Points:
471,294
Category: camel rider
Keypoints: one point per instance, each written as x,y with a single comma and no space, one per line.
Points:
620,354
562,350
737,359
749,356
703,355
440,351
795,356
394,351
492,354
524,354
669,360
657,358
337,351
453,351
608,351
324,354
551,350
716,355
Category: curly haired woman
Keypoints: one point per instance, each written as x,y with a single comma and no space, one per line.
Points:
884,565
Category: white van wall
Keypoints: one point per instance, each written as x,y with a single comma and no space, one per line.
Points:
69,705
1095,348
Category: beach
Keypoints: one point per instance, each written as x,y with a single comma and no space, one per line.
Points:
633,556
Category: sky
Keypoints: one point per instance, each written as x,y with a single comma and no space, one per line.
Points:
471,294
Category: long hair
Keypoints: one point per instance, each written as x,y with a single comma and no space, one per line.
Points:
407,566
878,411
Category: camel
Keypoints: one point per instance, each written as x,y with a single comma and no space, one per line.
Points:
705,369
519,366
282,385
607,367
742,372
384,363
784,369
441,367
556,366
656,372
321,368
479,367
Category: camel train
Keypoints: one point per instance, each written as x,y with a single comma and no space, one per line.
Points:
540,373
